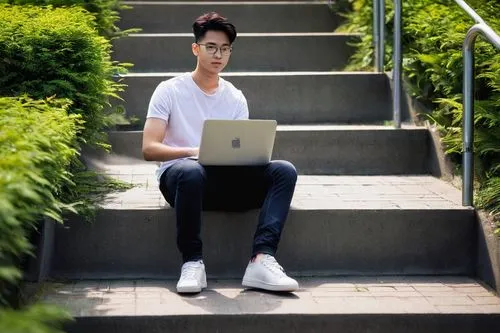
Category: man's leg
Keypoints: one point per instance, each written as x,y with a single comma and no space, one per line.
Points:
270,187
182,185
263,271
280,177
242,188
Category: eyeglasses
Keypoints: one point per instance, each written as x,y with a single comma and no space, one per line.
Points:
225,50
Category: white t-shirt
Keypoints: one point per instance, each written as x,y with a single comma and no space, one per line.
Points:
184,106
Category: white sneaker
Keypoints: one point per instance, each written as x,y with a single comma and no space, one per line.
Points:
193,277
269,275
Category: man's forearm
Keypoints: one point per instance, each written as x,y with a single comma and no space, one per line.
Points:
160,152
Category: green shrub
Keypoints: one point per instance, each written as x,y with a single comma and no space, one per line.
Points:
105,11
37,143
35,319
54,55
56,52
38,140
433,34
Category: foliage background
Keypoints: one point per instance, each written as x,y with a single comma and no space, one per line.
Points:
57,52
33,171
56,80
433,34
106,12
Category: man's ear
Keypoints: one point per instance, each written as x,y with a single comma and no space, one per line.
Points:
195,48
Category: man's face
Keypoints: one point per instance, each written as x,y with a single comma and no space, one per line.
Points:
213,51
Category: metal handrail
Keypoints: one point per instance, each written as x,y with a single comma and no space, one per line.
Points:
468,106
480,28
475,16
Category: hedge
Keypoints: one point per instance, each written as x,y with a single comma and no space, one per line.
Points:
433,34
38,140
105,11
57,52
34,319
59,67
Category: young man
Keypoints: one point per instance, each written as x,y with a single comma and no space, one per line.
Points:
172,134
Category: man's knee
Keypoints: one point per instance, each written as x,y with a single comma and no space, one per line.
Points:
283,169
190,172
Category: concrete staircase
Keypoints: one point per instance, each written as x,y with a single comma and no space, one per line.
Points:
377,243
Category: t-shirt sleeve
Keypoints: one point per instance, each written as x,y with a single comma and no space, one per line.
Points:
242,110
160,104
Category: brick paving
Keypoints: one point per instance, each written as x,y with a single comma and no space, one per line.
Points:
312,192
385,295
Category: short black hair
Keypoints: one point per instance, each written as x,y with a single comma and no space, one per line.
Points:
213,21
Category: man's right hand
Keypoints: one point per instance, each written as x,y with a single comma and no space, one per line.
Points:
195,151
153,147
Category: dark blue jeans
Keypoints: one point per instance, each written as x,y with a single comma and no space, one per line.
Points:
191,188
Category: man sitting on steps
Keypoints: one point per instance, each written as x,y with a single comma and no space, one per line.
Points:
172,134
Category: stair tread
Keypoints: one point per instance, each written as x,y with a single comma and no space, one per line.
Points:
344,127
311,193
234,3
329,295
276,16
253,34
233,74
327,127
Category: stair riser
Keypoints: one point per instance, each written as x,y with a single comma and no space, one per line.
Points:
162,18
141,243
271,53
292,99
293,323
363,152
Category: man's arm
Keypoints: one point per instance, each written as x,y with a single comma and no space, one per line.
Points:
242,109
152,147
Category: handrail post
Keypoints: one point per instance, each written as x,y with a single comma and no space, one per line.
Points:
468,118
397,64
376,34
381,30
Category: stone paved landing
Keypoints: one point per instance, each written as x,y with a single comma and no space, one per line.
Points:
312,192
339,295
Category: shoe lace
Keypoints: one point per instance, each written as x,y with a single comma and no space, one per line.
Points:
271,263
189,270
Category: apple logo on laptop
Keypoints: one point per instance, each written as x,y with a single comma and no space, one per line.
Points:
236,143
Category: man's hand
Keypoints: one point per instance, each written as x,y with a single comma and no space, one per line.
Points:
154,149
195,151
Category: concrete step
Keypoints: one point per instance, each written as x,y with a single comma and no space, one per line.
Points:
289,97
348,304
336,226
331,150
247,16
251,52
230,1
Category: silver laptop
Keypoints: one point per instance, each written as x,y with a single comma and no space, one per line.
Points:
237,142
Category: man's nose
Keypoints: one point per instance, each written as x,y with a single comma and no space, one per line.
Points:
218,53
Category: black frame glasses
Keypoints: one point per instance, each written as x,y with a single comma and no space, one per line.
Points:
212,49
